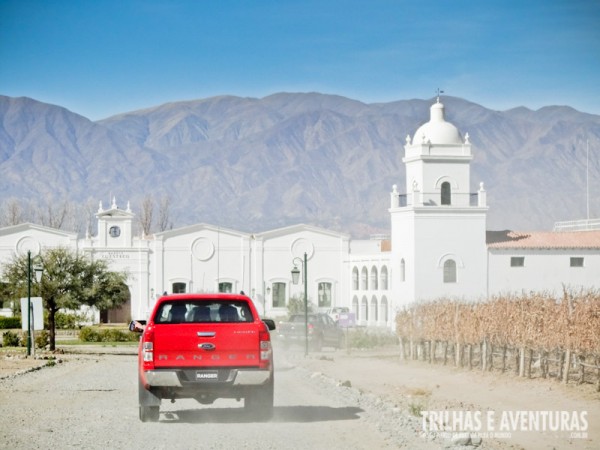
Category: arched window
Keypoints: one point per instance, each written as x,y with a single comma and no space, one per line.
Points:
364,279
179,288
384,278
374,278
402,271
225,287
374,310
355,279
446,193
278,296
384,309
324,295
364,309
355,309
450,271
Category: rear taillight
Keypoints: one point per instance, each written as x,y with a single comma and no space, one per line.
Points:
148,350
266,352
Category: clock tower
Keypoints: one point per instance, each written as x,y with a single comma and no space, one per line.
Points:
115,227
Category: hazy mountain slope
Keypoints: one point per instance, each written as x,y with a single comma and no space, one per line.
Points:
254,164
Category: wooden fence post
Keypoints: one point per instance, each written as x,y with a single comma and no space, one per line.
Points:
568,352
484,355
522,362
567,366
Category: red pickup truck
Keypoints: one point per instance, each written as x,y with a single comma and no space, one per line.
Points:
205,346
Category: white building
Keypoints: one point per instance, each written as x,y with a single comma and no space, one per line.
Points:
438,247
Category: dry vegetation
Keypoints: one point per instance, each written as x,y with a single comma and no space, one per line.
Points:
534,334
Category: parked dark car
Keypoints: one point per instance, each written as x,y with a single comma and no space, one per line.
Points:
322,331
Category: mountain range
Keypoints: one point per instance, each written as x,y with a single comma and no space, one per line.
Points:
255,164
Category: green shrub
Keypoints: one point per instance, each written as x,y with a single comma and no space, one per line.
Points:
7,323
65,321
361,338
42,338
11,339
88,334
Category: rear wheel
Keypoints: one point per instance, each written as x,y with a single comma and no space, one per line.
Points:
149,404
259,401
317,344
149,413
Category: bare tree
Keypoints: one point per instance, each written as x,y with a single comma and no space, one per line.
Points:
54,215
164,212
145,216
12,213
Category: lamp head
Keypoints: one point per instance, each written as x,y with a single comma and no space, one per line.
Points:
295,275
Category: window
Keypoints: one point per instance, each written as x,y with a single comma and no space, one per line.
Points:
278,295
373,278
364,309
179,288
355,279
384,278
226,287
450,271
446,194
364,279
384,310
324,295
355,308
203,311
517,261
402,271
374,310
577,261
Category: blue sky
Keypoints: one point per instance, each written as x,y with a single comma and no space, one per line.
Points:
104,57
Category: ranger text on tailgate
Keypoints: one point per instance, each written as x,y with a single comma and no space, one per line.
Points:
206,346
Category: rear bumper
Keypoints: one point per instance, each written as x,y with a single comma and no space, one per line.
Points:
179,378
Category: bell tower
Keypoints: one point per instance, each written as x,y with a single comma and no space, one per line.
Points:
438,226
115,226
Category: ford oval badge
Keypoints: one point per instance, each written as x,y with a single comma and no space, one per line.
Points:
207,346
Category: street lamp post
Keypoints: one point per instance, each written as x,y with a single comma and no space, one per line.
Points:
295,277
38,268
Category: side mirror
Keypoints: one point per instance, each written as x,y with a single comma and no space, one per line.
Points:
134,326
270,323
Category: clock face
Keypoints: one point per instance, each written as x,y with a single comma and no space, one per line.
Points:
114,231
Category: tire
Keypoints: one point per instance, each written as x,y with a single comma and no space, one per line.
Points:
340,342
149,404
259,401
317,344
149,413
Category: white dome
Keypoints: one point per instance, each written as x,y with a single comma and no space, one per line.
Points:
437,130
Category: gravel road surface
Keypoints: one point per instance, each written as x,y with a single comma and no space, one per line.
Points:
330,400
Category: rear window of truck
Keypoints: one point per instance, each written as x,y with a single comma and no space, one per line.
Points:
203,312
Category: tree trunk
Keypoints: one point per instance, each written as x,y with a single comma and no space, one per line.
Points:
52,328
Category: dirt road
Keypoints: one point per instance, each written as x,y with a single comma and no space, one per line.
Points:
329,400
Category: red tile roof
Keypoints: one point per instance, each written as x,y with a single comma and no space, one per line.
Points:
543,239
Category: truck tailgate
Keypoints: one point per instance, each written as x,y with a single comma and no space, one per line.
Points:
206,345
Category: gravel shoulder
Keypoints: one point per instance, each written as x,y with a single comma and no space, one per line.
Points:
417,386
